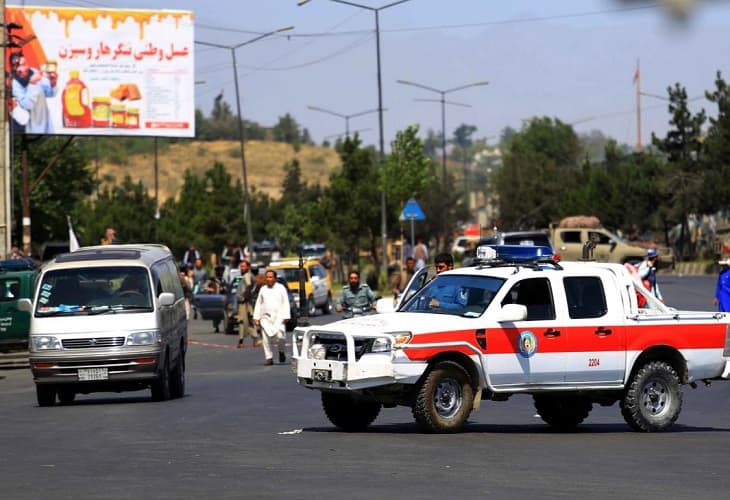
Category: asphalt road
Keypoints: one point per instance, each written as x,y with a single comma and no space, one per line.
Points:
249,431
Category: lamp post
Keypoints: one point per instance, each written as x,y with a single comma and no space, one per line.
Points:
383,212
340,115
443,102
232,48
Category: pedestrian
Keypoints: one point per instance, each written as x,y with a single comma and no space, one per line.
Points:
420,253
245,299
647,273
231,257
400,279
722,290
200,277
186,282
190,256
271,313
110,236
356,295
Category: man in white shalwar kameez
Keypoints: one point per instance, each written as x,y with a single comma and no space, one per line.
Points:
271,313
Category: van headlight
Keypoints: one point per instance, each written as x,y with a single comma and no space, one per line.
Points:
144,338
44,343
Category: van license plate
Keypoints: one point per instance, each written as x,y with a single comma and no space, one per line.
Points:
86,374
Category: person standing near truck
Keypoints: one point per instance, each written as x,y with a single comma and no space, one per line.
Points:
271,313
647,272
722,290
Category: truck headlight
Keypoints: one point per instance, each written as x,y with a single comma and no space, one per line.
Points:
44,343
143,338
381,344
401,338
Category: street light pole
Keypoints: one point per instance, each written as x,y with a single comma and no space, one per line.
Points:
381,156
443,102
241,137
340,115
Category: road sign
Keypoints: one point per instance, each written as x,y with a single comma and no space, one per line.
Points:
412,211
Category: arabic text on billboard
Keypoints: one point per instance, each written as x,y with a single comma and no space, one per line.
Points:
101,72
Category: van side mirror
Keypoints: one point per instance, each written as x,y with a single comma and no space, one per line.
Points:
511,313
166,299
25,305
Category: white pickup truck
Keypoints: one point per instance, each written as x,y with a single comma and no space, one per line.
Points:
571,334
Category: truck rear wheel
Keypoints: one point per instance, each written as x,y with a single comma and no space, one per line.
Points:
46,395
653,398
444,399
348,413
563,412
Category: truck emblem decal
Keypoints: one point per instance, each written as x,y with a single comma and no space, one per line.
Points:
527,344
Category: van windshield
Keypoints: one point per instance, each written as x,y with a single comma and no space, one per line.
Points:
94,290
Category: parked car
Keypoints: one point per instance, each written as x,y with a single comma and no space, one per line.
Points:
317,283
17,278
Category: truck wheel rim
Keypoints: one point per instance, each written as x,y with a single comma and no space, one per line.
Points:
655,398
447,399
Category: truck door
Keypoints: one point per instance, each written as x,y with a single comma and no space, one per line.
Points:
14,324
529,352
596,336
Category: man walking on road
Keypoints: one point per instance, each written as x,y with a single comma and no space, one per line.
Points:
244,295
271,313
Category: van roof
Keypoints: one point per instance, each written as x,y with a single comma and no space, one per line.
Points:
143,253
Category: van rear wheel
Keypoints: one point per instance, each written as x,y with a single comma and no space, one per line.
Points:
46,395
66,395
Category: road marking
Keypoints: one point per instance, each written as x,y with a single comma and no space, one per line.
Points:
295,431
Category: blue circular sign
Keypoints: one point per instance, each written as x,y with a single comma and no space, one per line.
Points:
527,344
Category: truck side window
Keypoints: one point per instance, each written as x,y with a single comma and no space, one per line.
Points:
585,297
570,236
535,294
599,238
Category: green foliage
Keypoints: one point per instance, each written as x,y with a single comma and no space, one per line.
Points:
406,171
57,190
540,169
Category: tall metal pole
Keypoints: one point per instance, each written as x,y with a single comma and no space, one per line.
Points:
241,140
241,137
340,115
383,211
637,79
6,219
443,136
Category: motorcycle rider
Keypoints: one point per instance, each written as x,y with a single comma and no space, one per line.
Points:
355,295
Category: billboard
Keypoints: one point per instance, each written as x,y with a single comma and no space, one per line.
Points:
101,71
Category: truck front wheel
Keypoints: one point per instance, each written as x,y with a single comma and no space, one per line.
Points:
444,399
564,413
653,398
348,413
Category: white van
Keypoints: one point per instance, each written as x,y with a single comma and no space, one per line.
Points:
108,318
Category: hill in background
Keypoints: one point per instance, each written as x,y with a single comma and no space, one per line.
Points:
265,161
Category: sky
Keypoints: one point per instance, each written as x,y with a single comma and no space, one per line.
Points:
570,59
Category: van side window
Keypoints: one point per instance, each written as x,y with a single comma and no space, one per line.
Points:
585,295
536,295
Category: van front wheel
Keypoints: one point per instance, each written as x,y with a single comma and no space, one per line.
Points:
161,386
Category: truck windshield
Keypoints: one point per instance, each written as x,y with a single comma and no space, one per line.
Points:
466,296
94,290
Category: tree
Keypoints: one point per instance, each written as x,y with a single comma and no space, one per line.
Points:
406,171
682,147
54,192
717,147
540,168
287,130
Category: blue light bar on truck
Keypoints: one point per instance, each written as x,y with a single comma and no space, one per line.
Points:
513,253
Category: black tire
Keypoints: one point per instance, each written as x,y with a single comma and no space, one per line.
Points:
653,399
563,412
311,306
161,387
348,413
45,394
444,399
329,306
177,378
66,395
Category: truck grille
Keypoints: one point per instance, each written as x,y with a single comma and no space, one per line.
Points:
336,346
93,342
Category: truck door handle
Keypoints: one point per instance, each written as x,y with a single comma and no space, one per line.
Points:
550,333
602,332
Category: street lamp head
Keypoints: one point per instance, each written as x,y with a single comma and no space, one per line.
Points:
285,28
302,2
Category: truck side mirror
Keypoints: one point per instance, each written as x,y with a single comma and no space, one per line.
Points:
511,313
